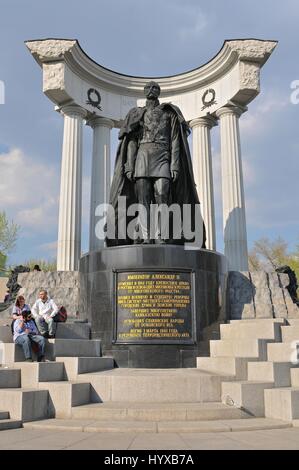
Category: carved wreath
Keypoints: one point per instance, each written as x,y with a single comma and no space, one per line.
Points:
94,102
208,102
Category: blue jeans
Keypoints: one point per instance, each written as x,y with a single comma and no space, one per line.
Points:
25,342
44,326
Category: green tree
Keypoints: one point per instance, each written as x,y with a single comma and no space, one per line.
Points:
43,264
268,255
8,236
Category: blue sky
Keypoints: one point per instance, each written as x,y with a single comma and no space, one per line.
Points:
143,38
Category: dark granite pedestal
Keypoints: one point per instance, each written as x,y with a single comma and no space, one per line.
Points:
150,304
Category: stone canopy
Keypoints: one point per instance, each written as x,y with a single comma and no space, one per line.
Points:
217,92
233,75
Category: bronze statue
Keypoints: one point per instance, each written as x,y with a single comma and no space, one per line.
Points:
153,164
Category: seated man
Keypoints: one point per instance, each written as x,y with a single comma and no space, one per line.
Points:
44,311
25,333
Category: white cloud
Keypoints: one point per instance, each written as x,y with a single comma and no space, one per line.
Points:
193,21
194,27
49,248
258,118
29,190
41,218
270,217
250,171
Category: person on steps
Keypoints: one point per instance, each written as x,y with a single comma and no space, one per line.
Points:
26,333
44,311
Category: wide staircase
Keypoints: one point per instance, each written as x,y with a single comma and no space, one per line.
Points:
249,382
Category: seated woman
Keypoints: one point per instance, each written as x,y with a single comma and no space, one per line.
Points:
26,333
20,307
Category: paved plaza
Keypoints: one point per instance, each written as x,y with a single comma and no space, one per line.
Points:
23,439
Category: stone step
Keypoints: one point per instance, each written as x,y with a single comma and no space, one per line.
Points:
248,396
293,322
290,333
6,424
10,378
54,348
73,331
34,372
157,411
63,331
256,348
284,352
25,404
65,395
5,334
254,330
277,372
282,403
225,425
260,321
74,347
4,415
294,377
81,365
10,353
154,385
235,366
126,426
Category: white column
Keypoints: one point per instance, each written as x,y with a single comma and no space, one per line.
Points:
100,173
70,203
234,219
203,173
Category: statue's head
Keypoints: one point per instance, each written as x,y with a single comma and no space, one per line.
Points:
152,90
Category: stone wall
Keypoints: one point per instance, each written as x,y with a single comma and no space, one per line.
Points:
63,287
259,295
250,294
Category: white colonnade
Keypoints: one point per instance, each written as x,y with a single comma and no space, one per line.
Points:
100,173
234,219
203,174
215,93
70,203
233,199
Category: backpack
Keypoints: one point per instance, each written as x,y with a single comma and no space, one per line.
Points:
61,315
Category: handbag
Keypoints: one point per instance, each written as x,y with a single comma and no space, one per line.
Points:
61,315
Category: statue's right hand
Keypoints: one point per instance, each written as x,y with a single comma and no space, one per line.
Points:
130,175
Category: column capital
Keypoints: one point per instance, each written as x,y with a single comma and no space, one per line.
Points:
205,121
100,122
231,109
73,110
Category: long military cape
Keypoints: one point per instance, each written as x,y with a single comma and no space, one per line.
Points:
183,191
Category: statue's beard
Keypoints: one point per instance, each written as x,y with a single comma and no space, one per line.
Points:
152,102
